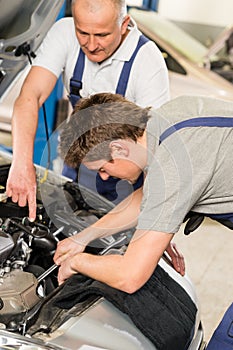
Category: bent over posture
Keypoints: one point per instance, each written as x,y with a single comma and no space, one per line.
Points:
185,151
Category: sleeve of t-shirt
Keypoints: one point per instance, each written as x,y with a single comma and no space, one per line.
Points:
178,180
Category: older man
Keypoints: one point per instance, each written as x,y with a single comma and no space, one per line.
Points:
93,51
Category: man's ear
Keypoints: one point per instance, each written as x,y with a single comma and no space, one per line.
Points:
125,24
119,149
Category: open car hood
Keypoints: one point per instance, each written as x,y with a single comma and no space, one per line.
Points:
22,22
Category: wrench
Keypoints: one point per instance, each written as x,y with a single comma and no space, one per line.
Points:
46,273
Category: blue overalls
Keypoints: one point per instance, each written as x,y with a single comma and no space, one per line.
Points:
222,338
105,188
195,219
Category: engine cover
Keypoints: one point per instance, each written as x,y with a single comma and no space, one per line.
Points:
17,292
6,246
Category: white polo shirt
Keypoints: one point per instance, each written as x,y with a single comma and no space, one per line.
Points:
148,83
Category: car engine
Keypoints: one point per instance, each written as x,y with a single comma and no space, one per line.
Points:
27,271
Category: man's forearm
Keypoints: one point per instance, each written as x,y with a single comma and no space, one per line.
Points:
126,272
122,217
24,125
35,90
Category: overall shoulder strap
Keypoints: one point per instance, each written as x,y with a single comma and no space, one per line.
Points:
124,77
76,80
220,122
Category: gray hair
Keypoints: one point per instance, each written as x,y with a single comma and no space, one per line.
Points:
120,5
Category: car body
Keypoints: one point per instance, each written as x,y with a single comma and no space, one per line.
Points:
28,282
189,62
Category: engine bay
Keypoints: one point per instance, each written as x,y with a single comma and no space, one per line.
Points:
27,271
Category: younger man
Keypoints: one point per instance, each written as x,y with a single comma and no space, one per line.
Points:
185,151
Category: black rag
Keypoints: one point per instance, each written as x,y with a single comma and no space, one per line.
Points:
161,309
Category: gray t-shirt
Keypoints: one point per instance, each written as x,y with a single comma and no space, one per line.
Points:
192,169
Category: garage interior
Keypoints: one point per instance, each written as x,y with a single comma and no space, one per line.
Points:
207,251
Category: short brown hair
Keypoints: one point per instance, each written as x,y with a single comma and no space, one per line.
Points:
95,122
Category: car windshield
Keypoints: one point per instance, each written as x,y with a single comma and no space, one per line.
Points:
169,32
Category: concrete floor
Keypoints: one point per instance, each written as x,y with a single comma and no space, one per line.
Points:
208,254
209,259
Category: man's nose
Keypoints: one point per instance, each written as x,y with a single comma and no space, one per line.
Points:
91,43
104,176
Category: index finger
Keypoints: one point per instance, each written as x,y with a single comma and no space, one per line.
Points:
32,205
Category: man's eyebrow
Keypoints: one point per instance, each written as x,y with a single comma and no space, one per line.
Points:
80,30
86,33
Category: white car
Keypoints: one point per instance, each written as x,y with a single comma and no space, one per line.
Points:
189,62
